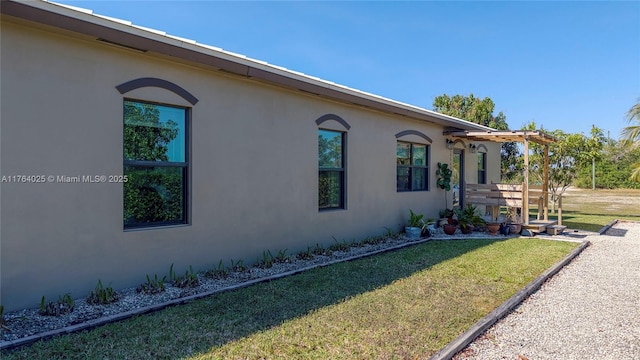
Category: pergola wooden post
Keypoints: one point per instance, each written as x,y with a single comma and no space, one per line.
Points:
525,184
545,184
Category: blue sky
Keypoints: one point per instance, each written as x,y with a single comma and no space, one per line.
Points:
564,65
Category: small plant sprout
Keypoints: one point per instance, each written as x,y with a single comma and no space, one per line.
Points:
389,232
221,272
2,323
152,286
319,250
305,254
238,266
282,256
339,245
172,274
266,261
64,305
102,295
190,278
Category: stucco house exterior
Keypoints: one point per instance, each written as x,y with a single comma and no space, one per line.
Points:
124,150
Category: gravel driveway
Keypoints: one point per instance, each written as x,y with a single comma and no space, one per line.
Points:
589,310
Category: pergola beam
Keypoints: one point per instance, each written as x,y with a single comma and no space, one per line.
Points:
537,137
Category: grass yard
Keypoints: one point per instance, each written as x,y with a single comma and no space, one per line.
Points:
407,303
592,209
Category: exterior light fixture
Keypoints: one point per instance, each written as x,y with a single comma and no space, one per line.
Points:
449,144
473,148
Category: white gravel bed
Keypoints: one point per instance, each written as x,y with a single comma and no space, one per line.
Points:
589,310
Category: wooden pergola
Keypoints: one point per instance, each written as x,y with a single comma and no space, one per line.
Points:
525,137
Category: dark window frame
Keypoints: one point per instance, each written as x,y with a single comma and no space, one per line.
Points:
185,166
482,170
340,170
412,167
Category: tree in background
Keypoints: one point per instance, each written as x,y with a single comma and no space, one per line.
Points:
631,136
614,168
567,156
563,162
480,111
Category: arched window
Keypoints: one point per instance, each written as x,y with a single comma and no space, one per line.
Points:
155,157
412,161
482,164
332,139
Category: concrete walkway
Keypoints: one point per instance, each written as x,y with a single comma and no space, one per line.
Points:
589,310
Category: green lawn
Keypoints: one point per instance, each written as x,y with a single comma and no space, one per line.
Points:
402,304
592,209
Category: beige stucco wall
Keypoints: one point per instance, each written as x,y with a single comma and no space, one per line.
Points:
253,181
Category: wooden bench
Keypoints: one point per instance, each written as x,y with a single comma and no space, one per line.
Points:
496,195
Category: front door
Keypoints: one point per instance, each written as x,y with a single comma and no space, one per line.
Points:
457,178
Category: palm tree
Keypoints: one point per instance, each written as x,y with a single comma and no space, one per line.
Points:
631,134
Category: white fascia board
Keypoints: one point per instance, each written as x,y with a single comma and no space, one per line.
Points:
155,31
76,8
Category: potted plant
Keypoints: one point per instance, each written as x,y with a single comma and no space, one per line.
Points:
513,221
414,227
444,180
468,217
446,217
429,227
449,229
493,228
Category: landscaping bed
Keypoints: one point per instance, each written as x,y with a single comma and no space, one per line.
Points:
229,320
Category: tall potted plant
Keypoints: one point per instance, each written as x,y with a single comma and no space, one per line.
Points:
444,180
